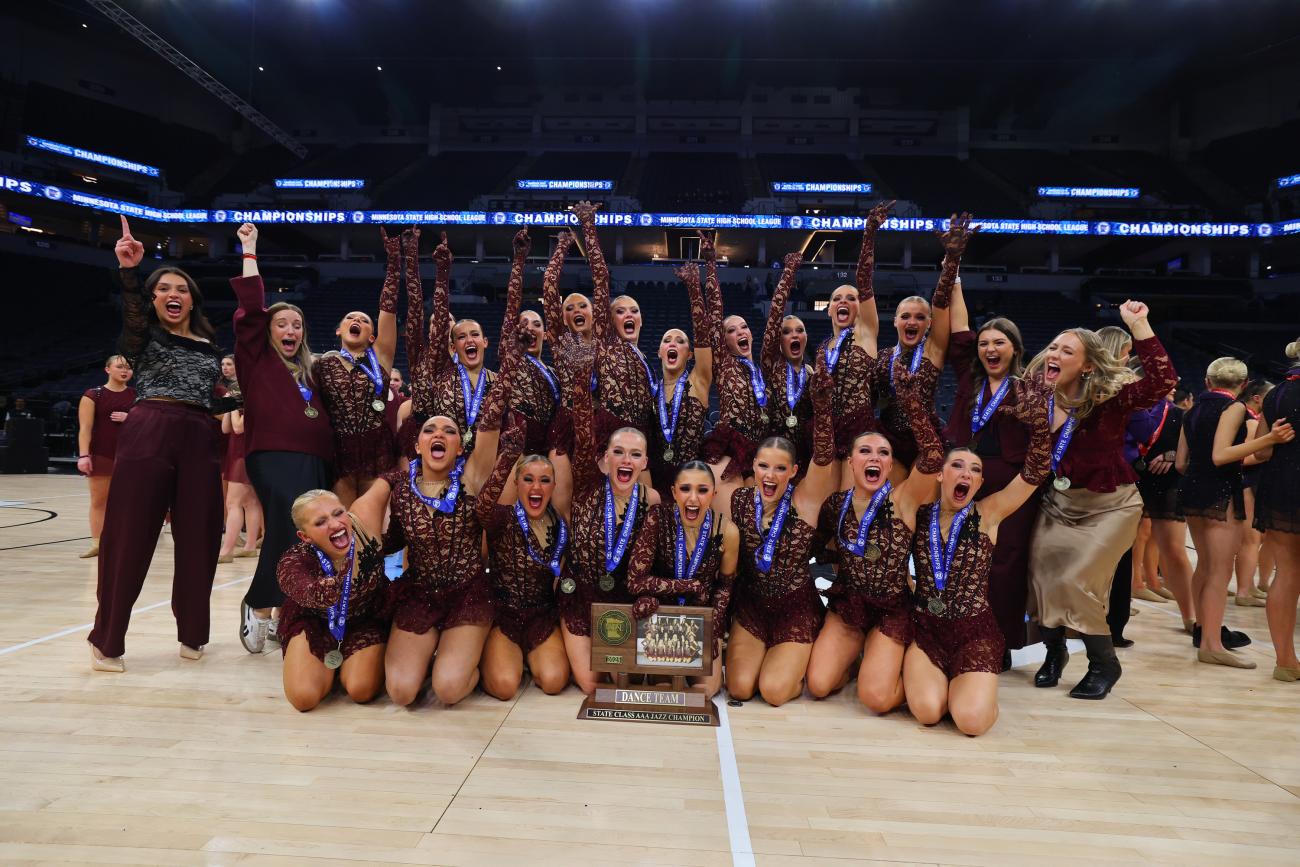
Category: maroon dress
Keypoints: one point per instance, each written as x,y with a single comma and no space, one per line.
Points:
535,393
652,570
309,594
893,421
1001,446
776,368
780,605
867,594
364,444
559,437
965,637
688,435
103,436
852,400
233,468
418,337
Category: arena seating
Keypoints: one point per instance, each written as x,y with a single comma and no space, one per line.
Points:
941,185
691,182
449,180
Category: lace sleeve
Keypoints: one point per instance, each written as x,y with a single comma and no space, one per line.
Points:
1158,377
135,313
439,324
702,324
910,391
820,388
602,324
1030,408
415,324
640,578
514,293
713,297
722,602
509,448
302,580
552,304
392,272
771,354
586,474
866,273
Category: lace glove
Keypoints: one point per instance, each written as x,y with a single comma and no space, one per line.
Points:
908,392
954,245
1030,409
821,388
867,255
392,272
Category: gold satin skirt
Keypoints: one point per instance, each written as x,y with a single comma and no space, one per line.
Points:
1078,540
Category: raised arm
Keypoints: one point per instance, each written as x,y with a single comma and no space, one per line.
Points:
919,486
514,293
579,357
770,357
822,476
416,328
552,303
712,288
480,465
868,315
1159,375
954,245
702,324
602,322
1230,422
499,490
439,324
250,319
1030,408
369,508
135,306
958,316
386,325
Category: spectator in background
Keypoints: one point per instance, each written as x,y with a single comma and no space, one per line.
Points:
101,413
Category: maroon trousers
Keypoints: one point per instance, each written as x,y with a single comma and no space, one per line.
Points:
168,459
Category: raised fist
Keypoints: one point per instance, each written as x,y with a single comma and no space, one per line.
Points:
442,253
522,243
958,235
247,235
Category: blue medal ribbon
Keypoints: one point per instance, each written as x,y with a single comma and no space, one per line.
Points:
667,423
980,414
683,569
561,540
447,502
304,391
756,383
859,544
1064,436
795,383
615,549
472,396
941,563
370,366
913,366
338,613
833,352
548,376
766,552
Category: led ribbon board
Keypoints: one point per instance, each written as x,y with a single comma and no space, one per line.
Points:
1135,228
544,184
1288,181
320,184
91,156
1089,192
820,187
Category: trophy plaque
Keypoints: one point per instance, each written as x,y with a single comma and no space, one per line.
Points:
650,660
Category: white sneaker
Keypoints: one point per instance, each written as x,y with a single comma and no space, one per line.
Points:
253,633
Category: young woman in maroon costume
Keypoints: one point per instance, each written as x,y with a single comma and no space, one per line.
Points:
923,327
572,315
535,394
100,415
952,665
785,340
443,603
988,363
700,576
606,488
849,353
1089,517
169,446
682,393
354,386
776,612
870,603
322,630
288,443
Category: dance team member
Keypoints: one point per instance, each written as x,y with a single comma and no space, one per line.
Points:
571,315
686,539
535,395
1277,513
870,601
988,364
682,392
1089,517
442,604
1158,482
785,340
335,595
287,437
243,511
168,458
609,508
414,410
1251,557
954,662
776,610
1210,452
99,418
354,384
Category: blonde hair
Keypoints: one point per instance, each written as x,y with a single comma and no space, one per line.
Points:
1227,372
1115,339
113,359
525,460
912,299
300,365
1293,349
1108,376
305,499
628,430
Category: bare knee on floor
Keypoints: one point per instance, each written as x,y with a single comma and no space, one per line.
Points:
974,721
878,697
551,681
928,711
452,688
500,684
303,697
403,689
776,691
362,689
822,682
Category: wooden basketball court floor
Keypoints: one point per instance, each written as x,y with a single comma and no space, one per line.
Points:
183,763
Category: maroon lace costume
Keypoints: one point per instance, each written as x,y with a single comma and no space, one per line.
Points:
688,436
774,364
893,421
364,444
1277,503
309,593
742,423
560,435
523,589
782,604
965,637
585,562
417,346
651,572
868,594
531,396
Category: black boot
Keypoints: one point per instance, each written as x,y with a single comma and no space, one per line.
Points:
1057,656
1103,669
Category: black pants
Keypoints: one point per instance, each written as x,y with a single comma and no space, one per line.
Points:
1121,595
278,478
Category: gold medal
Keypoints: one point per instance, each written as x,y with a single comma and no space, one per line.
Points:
310,411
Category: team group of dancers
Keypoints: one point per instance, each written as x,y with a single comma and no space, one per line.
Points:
521,496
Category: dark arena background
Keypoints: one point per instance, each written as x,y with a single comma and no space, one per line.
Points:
1107,149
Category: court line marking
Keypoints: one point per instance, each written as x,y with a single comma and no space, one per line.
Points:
84,626
733,796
